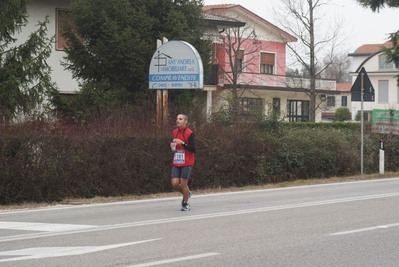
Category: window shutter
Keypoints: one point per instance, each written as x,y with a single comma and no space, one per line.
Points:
266,59
240,54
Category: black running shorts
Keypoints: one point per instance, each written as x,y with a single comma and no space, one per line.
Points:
181,172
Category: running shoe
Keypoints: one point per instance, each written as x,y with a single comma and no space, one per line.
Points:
186,207
189,195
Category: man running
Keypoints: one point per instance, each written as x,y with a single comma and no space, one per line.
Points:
183,145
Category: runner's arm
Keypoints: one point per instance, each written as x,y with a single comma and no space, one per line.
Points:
191,143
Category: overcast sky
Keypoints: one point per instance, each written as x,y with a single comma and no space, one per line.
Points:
363,25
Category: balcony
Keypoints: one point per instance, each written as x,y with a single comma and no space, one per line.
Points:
268,81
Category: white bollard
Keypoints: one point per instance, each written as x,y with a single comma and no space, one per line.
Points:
382,156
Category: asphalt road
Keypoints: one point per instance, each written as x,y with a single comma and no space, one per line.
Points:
346,224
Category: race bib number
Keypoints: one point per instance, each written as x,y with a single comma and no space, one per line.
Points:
179,157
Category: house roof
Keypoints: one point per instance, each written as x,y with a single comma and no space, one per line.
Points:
344,87
219,20
225,7
369,49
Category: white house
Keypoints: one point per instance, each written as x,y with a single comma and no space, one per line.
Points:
383,77
54,9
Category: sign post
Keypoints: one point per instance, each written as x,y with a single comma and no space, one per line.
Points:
159,98
362,122
362,90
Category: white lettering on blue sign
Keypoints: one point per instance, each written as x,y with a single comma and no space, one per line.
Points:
174,78
176,65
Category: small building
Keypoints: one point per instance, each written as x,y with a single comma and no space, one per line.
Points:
383,77
332,102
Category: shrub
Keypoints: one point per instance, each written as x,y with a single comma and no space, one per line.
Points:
122,152
342,114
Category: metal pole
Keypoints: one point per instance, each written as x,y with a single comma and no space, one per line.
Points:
361,122
164,96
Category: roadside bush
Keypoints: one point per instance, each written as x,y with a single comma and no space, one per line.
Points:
124,153
342,114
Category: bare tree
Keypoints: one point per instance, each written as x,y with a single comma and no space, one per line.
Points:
338,69
242,48
305,19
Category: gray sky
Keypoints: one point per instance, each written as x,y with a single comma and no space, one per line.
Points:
362,25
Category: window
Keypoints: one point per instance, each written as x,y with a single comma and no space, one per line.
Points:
239,60
267,63
251,106
330,101
276,107
383,62
298,110
62,16
383,93
344,101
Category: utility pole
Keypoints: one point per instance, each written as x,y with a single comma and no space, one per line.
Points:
361,123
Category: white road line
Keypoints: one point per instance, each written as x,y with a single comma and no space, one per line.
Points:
6,212
43,227
176,260
199,217
366,229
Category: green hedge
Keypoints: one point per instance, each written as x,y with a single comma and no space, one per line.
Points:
43,163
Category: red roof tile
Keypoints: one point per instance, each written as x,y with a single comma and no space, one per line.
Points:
372,48
344,87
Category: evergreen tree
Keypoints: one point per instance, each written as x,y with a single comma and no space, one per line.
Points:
25,82
110,44
375,5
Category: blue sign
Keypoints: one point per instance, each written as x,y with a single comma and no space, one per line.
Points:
176,65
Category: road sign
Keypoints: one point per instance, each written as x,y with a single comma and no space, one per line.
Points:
362,80
385,121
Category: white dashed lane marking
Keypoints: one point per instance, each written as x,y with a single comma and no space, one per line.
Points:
43,227
154,263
